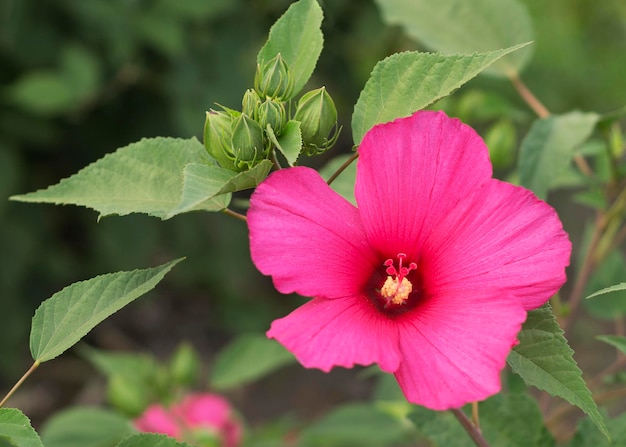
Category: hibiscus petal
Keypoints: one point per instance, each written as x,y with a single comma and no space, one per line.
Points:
307,237
454,347
343,332
411,172
500,237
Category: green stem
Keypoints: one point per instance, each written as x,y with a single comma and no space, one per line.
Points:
19,383
342,168
235,214
470,428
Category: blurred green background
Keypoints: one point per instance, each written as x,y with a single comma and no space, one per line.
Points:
79,79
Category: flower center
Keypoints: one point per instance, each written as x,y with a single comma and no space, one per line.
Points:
397,287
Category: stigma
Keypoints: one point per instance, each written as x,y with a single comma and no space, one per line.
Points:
397,287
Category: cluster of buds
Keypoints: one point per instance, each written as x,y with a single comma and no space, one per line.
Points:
240,140
202,420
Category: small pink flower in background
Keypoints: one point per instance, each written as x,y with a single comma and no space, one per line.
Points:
192,419
430,277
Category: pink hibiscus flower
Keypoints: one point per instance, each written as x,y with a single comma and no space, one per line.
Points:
430,277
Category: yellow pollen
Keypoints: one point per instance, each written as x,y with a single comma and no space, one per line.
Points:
396,293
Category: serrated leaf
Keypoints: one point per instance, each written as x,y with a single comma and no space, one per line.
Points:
151,440
85,427
586,435
344,183
297,36
354,425
544,360
458,26
247,358
16,430
143,177
406,82
67,316
290,142
617,341
549,146
615,288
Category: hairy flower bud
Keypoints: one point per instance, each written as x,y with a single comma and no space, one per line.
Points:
250,102
217,137
247,141
271,112
273,80
318,121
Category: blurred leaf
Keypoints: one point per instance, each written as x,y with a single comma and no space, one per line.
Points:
43,92
549,146
290,141
6,442
70,314
508,420
406,82
296,35
617,341
162,32
151,440
615,288
513,420
15,428
247,358
344,183
119,363
457,26
586,435
602,282
85,427
82,71
143,177
354,425
544,360
501,140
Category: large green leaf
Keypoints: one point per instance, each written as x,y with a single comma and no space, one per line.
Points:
248,357
459,26
354,425
85,427
298,38
544,360
67,316
406,82
15,429
143,177
549,146
151,440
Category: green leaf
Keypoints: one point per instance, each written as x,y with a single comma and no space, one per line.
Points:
247,358
143,177
42,92
618,341
457,26
290,142
119,363
615,288
16,430
511,420
151,440
298,38
586,435
344,183
70,314
85,427
549,146
355,425
544,360
406,82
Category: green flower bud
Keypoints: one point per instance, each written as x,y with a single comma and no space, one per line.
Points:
128,396
318,121
273,79
247,142
271,112
185,365
217,136
250,102
501,140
